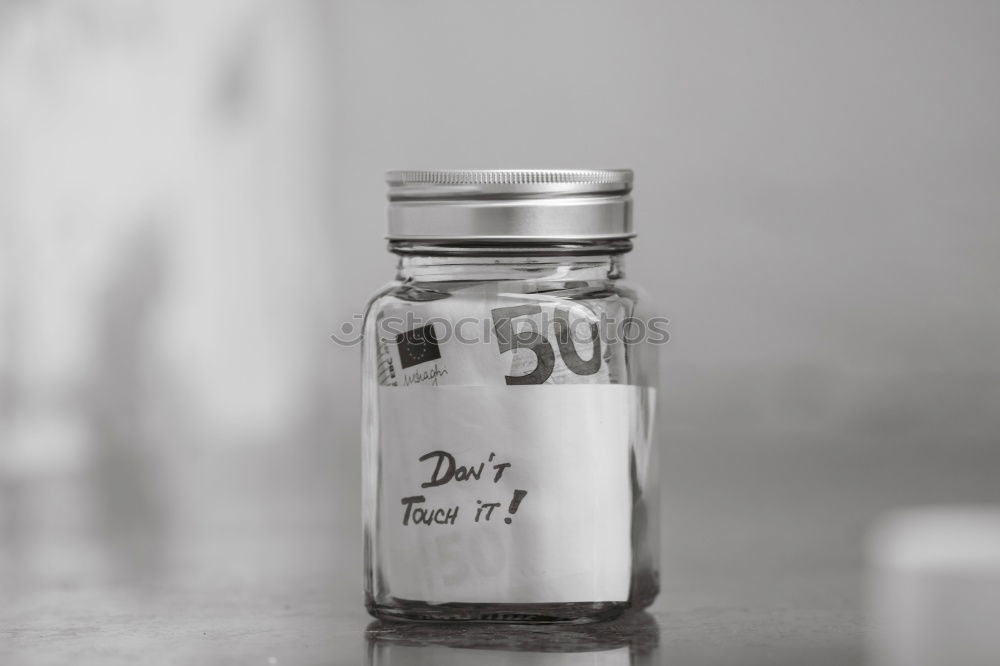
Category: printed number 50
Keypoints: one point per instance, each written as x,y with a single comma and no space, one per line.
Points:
541,347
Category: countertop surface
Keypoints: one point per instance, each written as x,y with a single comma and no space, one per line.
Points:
294,622
255,558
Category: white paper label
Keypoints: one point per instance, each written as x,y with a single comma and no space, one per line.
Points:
506,494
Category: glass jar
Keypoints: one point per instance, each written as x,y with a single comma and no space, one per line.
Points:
509,381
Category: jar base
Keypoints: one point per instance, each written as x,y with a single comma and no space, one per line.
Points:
554,613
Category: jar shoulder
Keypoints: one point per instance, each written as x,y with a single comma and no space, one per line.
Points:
415,292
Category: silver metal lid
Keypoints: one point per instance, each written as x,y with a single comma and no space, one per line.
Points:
525,205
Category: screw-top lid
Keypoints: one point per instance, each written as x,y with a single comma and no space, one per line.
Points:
523,205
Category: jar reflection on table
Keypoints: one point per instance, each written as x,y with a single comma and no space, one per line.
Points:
633,640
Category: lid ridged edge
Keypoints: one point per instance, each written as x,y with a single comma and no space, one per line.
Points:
621,177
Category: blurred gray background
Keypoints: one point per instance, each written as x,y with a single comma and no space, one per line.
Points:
191,202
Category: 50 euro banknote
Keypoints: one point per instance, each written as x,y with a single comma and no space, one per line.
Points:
478,337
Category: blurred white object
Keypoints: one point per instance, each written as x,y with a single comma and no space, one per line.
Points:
935,588
163,217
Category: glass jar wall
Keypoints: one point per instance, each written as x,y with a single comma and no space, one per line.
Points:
510,473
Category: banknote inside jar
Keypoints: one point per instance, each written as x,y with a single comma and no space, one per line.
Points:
481,336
